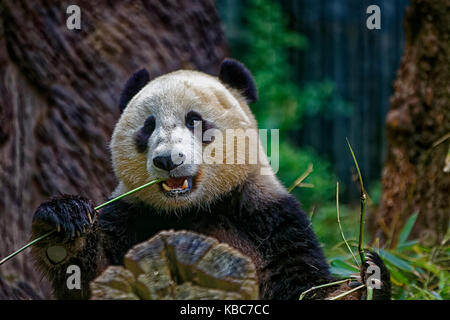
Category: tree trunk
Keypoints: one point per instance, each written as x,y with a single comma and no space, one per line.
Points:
415,177
59,92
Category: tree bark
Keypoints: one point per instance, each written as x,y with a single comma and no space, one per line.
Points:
415,177
59,92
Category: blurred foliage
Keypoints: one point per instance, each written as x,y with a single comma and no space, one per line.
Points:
324,222
295,161
282,104
268,42
264,45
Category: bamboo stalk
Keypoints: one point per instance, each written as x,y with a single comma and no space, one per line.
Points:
322,286
96,208
347,293
302,177
369,293
26,246
339,223
363,196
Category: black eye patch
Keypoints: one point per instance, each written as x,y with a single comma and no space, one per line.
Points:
144,134
192,120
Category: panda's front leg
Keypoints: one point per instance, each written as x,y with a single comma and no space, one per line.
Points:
68,257
373,274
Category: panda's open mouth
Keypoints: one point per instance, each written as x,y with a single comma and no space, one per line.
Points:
177,186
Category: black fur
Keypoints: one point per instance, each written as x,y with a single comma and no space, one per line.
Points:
67,213
237,76
206,125
136,82
72,215
142,136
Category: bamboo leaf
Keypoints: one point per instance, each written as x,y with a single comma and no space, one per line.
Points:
428,266
396,261
343,265
407,245
398,278
340,272
406,230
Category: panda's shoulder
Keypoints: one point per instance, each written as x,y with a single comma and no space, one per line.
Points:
279,206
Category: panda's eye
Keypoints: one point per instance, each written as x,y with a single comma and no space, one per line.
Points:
193,119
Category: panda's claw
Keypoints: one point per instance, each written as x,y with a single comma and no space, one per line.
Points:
382,286
68,215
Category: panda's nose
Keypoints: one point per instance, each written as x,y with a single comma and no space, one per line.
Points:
166,163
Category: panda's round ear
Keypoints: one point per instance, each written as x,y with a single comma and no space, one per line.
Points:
136,82
236,75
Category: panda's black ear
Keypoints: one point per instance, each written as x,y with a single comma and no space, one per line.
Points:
136,82
237,76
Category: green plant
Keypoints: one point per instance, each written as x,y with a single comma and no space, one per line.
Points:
417,272
321,180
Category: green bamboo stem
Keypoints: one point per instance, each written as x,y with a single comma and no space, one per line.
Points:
322,286
363,195
369,293
361,228
45,235
302,177
126,194
42,237
347,293
362,219
339,223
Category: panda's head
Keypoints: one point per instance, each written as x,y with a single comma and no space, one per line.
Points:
157,134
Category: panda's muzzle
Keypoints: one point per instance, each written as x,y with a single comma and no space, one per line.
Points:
166,163
177,186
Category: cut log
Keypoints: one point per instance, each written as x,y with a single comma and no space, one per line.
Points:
179,265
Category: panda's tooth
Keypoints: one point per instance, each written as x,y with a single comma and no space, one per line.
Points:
166,187
185,184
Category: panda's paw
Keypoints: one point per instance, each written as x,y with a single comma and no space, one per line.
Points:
375,274
70,216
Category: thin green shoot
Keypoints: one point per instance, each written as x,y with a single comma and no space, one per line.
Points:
302,177
304,293
340,226
347,293
363,208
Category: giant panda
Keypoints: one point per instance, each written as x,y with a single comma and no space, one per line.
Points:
241,204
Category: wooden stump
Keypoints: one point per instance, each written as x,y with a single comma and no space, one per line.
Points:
179,265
